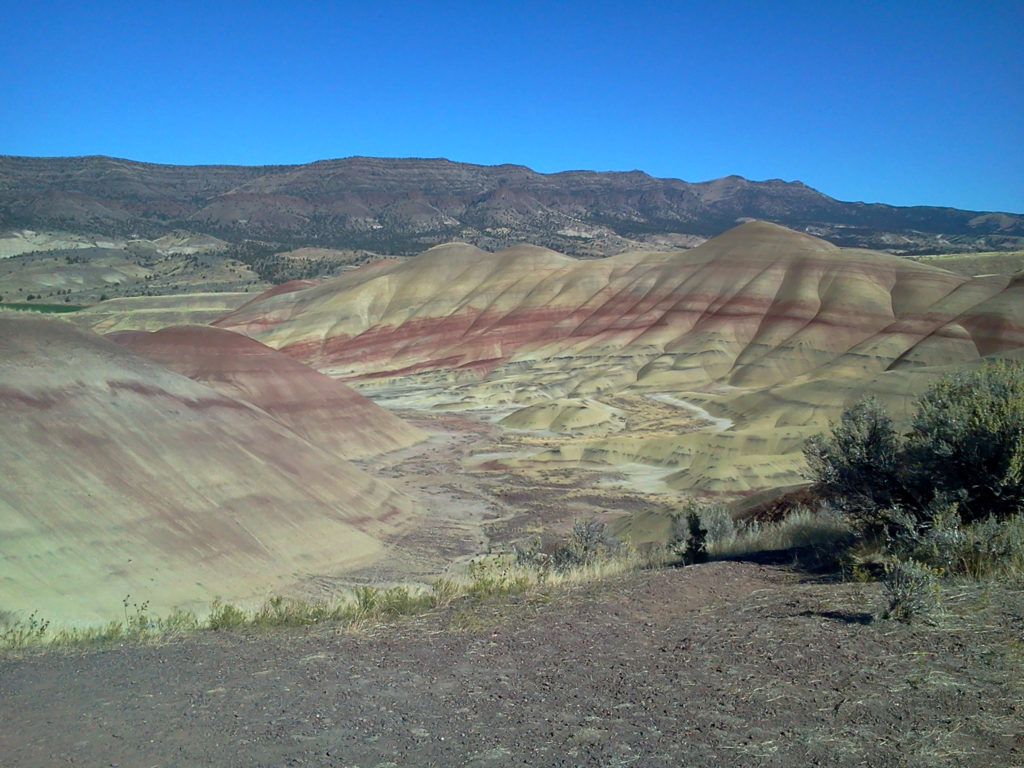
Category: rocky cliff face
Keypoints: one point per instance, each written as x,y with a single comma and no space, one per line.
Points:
406,205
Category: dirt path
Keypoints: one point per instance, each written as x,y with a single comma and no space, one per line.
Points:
721,664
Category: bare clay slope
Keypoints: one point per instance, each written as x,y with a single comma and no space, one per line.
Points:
121,477
753,307
326,412
769,328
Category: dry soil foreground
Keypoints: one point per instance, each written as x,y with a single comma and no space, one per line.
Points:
722,664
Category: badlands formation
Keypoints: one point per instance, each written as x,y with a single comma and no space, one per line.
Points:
232,458
125,477
325,412
762,333
151,313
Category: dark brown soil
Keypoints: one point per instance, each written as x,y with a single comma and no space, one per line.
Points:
725,664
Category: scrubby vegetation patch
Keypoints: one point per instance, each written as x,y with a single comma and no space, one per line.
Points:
943,500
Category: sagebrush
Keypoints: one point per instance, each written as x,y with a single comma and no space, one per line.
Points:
948,494
964,451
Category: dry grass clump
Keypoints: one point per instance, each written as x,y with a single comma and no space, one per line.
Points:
823,530
593,557
137,626
913,590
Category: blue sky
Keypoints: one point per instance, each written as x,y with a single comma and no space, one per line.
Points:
897,102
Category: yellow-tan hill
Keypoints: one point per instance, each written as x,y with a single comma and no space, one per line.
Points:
151,313
121,477
323,410
769,328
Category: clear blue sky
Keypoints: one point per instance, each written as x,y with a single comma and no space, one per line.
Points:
897,102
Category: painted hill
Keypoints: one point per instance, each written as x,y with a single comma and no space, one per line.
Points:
121,477
769,328
326,412
404,205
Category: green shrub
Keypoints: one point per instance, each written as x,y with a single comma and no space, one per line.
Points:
531,552
279,611
404,601
718,522
994,547
366,598
967,441
696,540
179,622
982,548
697,528
858,467
588,543
225,616
964,455
937,540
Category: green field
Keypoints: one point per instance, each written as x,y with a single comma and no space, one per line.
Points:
47,308
969,264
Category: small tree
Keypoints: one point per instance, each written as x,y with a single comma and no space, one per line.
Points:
696,526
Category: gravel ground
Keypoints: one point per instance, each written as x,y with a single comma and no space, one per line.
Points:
720,664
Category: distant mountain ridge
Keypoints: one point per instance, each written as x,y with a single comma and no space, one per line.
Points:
404,205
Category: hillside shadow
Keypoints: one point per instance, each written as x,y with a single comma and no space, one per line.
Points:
807,561
847,617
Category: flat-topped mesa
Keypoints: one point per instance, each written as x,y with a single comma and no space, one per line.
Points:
124,477
327,412
388,205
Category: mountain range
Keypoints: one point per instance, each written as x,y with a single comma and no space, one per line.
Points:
401,206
